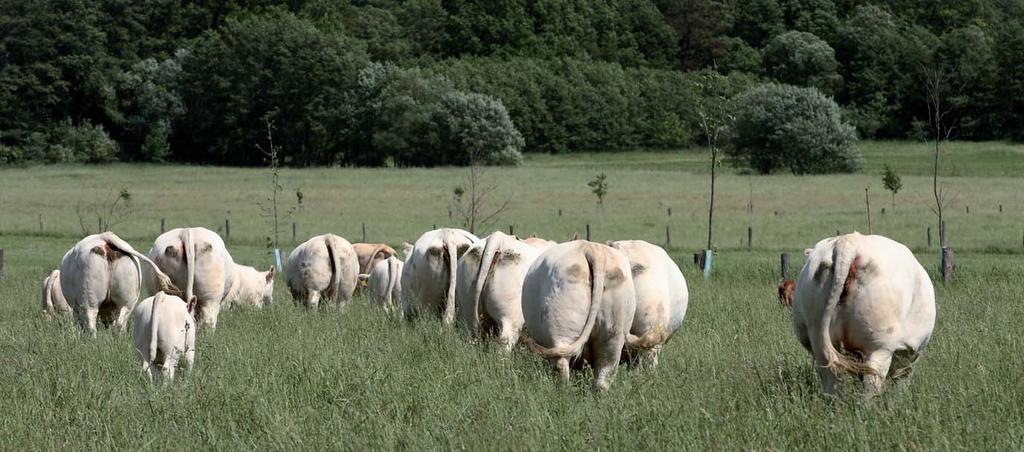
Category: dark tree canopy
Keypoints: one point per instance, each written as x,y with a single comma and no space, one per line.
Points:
157,80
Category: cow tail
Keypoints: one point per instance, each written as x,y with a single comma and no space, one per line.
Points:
392,282
332,255
452,264
153,327
597,277
843,269
487,261
190,266
164,283
48,292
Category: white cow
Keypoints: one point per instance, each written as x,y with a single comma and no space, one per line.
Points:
868,295
385,283
53,297
579,301
428,278
661,296
199,263
252,288
165,334
539,243
325,266
101,276
490,287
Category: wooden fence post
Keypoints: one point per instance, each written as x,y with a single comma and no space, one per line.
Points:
929,236
99,225
1000,208
670,211
435,227
293,232
947,265
968,210
784,260
161,225
510,230
837,233
227,229
559,212
942,234
668,236
1,263
449,213
588,232
40,222
750,237
364,230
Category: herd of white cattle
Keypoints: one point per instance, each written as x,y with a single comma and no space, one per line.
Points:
859,300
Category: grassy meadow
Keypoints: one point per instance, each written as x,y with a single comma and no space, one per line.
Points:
733,377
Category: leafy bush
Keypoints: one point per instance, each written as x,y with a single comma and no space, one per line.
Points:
783,126
422,120
802,59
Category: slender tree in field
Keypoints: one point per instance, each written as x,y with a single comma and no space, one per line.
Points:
892,182
939,85
599,187
714,115
272,210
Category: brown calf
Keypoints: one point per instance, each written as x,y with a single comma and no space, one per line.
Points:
786,292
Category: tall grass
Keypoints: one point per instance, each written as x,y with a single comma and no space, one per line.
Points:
733,377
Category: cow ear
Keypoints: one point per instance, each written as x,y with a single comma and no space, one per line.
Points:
364,276
406,249
610,243
575,237
270,273
808,251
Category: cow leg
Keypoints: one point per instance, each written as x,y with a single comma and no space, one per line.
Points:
879,360
170,363
606,360
312,299
148,370
562,365
121,322
828,378
508,335
87,319
208,315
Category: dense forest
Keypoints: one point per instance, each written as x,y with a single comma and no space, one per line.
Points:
447,82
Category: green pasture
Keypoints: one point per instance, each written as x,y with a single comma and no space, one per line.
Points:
734,377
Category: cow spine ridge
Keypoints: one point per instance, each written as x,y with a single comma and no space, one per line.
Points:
597,276
842,260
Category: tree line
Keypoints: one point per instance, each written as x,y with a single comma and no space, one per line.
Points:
452,82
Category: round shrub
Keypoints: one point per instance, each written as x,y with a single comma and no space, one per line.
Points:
784,126
803,59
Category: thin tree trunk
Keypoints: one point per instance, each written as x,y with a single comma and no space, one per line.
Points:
711,208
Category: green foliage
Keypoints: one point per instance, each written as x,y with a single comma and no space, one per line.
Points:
891,180
191,81
422,120
802,59
275,66
881,56
784,126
